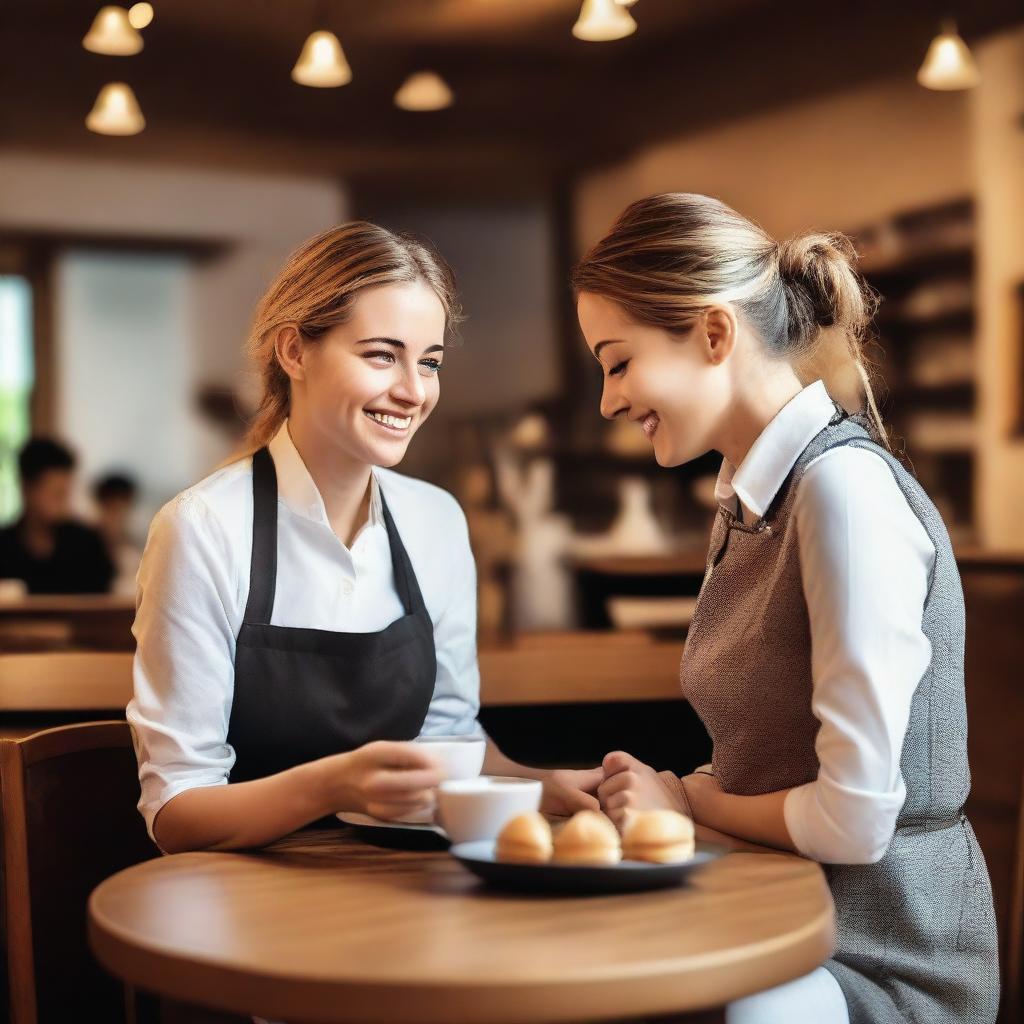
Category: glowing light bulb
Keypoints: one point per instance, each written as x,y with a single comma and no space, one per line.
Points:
424,90
140,15
112,34
601,21
948,65
116,112
322,63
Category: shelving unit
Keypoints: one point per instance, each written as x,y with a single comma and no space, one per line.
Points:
921,263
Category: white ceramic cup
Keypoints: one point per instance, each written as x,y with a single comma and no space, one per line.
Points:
460,757
471,809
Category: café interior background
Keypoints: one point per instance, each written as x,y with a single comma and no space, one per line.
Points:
130,264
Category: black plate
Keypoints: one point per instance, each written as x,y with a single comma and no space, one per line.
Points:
395,835
626,876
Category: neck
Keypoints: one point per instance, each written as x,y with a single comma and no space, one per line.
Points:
343,482
752,410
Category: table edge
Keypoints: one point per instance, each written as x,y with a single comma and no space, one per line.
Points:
660,987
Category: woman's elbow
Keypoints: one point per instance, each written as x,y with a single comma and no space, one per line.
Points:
169,839
860,849
174,829
870,854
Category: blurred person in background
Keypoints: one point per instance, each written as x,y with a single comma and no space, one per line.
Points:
114,495
48,550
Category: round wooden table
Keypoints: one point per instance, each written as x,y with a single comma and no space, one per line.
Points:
322,927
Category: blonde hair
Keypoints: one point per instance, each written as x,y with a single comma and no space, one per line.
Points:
315,291
670,256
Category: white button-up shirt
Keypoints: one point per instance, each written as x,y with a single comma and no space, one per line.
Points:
194,582
868,650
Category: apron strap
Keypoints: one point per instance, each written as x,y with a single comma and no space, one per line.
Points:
405,578
263,566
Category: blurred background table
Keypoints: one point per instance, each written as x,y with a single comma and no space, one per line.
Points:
626,591
43,622
322,927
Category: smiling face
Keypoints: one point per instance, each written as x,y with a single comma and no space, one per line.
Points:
366,386
675,387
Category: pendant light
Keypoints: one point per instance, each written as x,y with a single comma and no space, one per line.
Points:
424,90
116,112
601,21
625,3
322,63
140,15
112,34
948,65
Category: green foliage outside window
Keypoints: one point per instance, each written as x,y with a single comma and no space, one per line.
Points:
16,377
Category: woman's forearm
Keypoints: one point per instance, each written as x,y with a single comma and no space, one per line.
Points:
757,819
244,814
497,763
706,834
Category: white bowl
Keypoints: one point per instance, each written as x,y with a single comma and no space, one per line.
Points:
471,809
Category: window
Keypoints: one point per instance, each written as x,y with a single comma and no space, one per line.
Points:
16,379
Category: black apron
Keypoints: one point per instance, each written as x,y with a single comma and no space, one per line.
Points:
301,694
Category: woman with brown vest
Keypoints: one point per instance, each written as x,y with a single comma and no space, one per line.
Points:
825,656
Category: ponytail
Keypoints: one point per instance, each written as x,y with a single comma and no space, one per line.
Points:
830,308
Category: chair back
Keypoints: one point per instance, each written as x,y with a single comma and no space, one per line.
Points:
69,822
994,595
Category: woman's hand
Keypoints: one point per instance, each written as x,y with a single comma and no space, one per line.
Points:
568,790
383,778
702,789
630,785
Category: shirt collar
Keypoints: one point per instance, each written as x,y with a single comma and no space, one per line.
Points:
295,487
776,450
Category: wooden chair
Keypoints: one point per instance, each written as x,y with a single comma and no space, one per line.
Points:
994,593
1014,999
69,821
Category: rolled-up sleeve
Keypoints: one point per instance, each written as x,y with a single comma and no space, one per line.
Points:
456,700
866,563
184,660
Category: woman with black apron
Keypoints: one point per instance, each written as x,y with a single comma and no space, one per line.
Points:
305,612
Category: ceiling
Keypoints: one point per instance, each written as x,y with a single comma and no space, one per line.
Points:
532,102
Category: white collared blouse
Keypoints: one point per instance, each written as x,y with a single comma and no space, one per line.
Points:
865,561
194,581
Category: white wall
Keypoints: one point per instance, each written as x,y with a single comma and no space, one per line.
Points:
998,149
122,324
204,307
833,162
